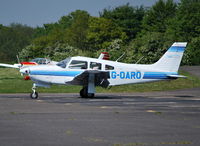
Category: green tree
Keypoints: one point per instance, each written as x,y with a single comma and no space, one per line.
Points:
186,24
150,47
12,39
127,17
102,32
192,55
156,19
186,27
77,32
70,30
65,21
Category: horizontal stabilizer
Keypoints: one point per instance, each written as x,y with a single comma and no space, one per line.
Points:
176,76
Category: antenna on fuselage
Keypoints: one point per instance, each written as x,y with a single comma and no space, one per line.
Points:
139,60
120,57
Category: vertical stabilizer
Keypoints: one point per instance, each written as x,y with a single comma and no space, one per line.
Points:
171,60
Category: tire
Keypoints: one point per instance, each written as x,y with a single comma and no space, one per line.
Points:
90,95
34,95
84,94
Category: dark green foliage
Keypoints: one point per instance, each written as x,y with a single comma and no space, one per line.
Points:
193,52
13,39
127,17
185,26
175,23
187,21
150,47
102,32
156,19
76,33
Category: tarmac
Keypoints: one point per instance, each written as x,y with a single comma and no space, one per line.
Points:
145,119
166,118
195,70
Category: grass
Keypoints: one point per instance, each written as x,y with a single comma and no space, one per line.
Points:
12,82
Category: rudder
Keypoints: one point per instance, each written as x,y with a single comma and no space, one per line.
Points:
171,60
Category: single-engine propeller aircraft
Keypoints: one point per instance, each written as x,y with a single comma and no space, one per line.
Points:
91,72
36,61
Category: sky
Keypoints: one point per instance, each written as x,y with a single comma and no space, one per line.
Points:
38,12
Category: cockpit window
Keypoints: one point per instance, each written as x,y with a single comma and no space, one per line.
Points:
109,67
95,65
78,64
40,60
63,63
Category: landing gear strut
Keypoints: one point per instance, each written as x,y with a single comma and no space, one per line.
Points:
84,93
34,94
89,89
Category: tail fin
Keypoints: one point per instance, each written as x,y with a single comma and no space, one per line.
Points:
171,60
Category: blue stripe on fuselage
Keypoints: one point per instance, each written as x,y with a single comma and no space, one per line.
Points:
147,75
55,73
158,75
176,49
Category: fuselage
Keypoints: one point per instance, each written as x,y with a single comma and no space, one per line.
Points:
120,73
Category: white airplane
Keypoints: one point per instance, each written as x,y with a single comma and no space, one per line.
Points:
36,61
91,72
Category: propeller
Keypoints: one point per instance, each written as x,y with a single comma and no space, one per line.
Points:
18,59
19,65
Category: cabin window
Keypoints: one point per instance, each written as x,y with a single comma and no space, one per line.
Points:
95,65
40,60
77,64
109,67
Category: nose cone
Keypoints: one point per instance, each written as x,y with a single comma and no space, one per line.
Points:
24,70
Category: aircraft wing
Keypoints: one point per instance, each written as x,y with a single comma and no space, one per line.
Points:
10,65
100,78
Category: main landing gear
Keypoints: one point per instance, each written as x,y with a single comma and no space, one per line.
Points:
84,93
89,88
34,94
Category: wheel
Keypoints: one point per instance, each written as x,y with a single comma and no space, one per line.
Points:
90,95
34,95
84,94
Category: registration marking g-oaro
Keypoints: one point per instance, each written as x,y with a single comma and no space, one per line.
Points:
91,72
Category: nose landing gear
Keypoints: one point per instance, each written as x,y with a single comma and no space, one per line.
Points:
34,94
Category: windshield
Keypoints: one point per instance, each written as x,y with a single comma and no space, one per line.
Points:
40,60
63,63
